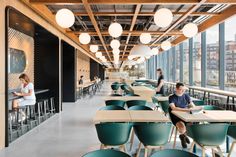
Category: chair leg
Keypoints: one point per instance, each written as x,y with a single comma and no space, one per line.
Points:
145,152
192,146
203,152
175,138
131,139
231,148
172,131
102,146
219,150
139,149
124,149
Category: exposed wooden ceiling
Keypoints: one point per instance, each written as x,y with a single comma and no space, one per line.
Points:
135,16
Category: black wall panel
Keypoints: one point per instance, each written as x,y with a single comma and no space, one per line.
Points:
68,72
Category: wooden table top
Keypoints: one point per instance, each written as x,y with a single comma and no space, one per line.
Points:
124,98
165,98
129,116
208,116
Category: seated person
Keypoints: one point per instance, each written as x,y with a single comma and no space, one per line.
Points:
180,101
27,93
81,81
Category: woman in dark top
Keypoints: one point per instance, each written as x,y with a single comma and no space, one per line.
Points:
160,82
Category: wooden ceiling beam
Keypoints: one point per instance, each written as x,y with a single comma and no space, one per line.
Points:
129,44
94,22
143,2
176,32
137,9
141,14
227,13
180,19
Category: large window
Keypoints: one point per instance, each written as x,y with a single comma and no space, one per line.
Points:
197,60
186,62
230,54
177,63
212,41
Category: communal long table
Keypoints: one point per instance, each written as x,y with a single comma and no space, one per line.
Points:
129,116
165,98
207,116
36,91
144,92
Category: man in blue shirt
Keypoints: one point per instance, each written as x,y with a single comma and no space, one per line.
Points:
180,101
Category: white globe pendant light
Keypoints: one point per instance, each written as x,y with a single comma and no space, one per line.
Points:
163,17
155,51
115,44
165,45
98,54
136,66
190,30
145,38
65,18
130,66
115,30
116,51
130,57
93,48
84,38
148,57
140,50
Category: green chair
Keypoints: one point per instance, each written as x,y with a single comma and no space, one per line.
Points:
115,87
155,102
164,106
152,135
199,102
106,153
112,107
115,83
232,133
211,107
113,134
173,153
132,132
115,95
209,135
136,102
140,108
115,102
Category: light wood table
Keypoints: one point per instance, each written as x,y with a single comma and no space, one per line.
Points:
148,116
208,116
129,116
144,92
165,98
112,116
124,98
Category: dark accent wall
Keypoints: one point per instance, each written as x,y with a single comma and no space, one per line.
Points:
96,69
46,65
68,72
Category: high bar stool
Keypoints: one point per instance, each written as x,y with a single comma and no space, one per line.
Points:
31,115
52,106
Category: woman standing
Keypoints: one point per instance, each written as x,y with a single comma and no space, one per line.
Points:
27,93
160,82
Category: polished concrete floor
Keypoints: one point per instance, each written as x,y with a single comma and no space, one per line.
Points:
68,134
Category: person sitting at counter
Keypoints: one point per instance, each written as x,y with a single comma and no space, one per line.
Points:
81,79
27,93
180,101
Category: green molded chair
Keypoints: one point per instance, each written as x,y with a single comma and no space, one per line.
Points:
113,134
106,153
152,135
115,83
155,102
209,135
115,95
136,102
112,107
115,102
232,133
199,102
136,108
211,107
173,153
140,108
115,87
164,106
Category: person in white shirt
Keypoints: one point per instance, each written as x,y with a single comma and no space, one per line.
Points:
27,93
